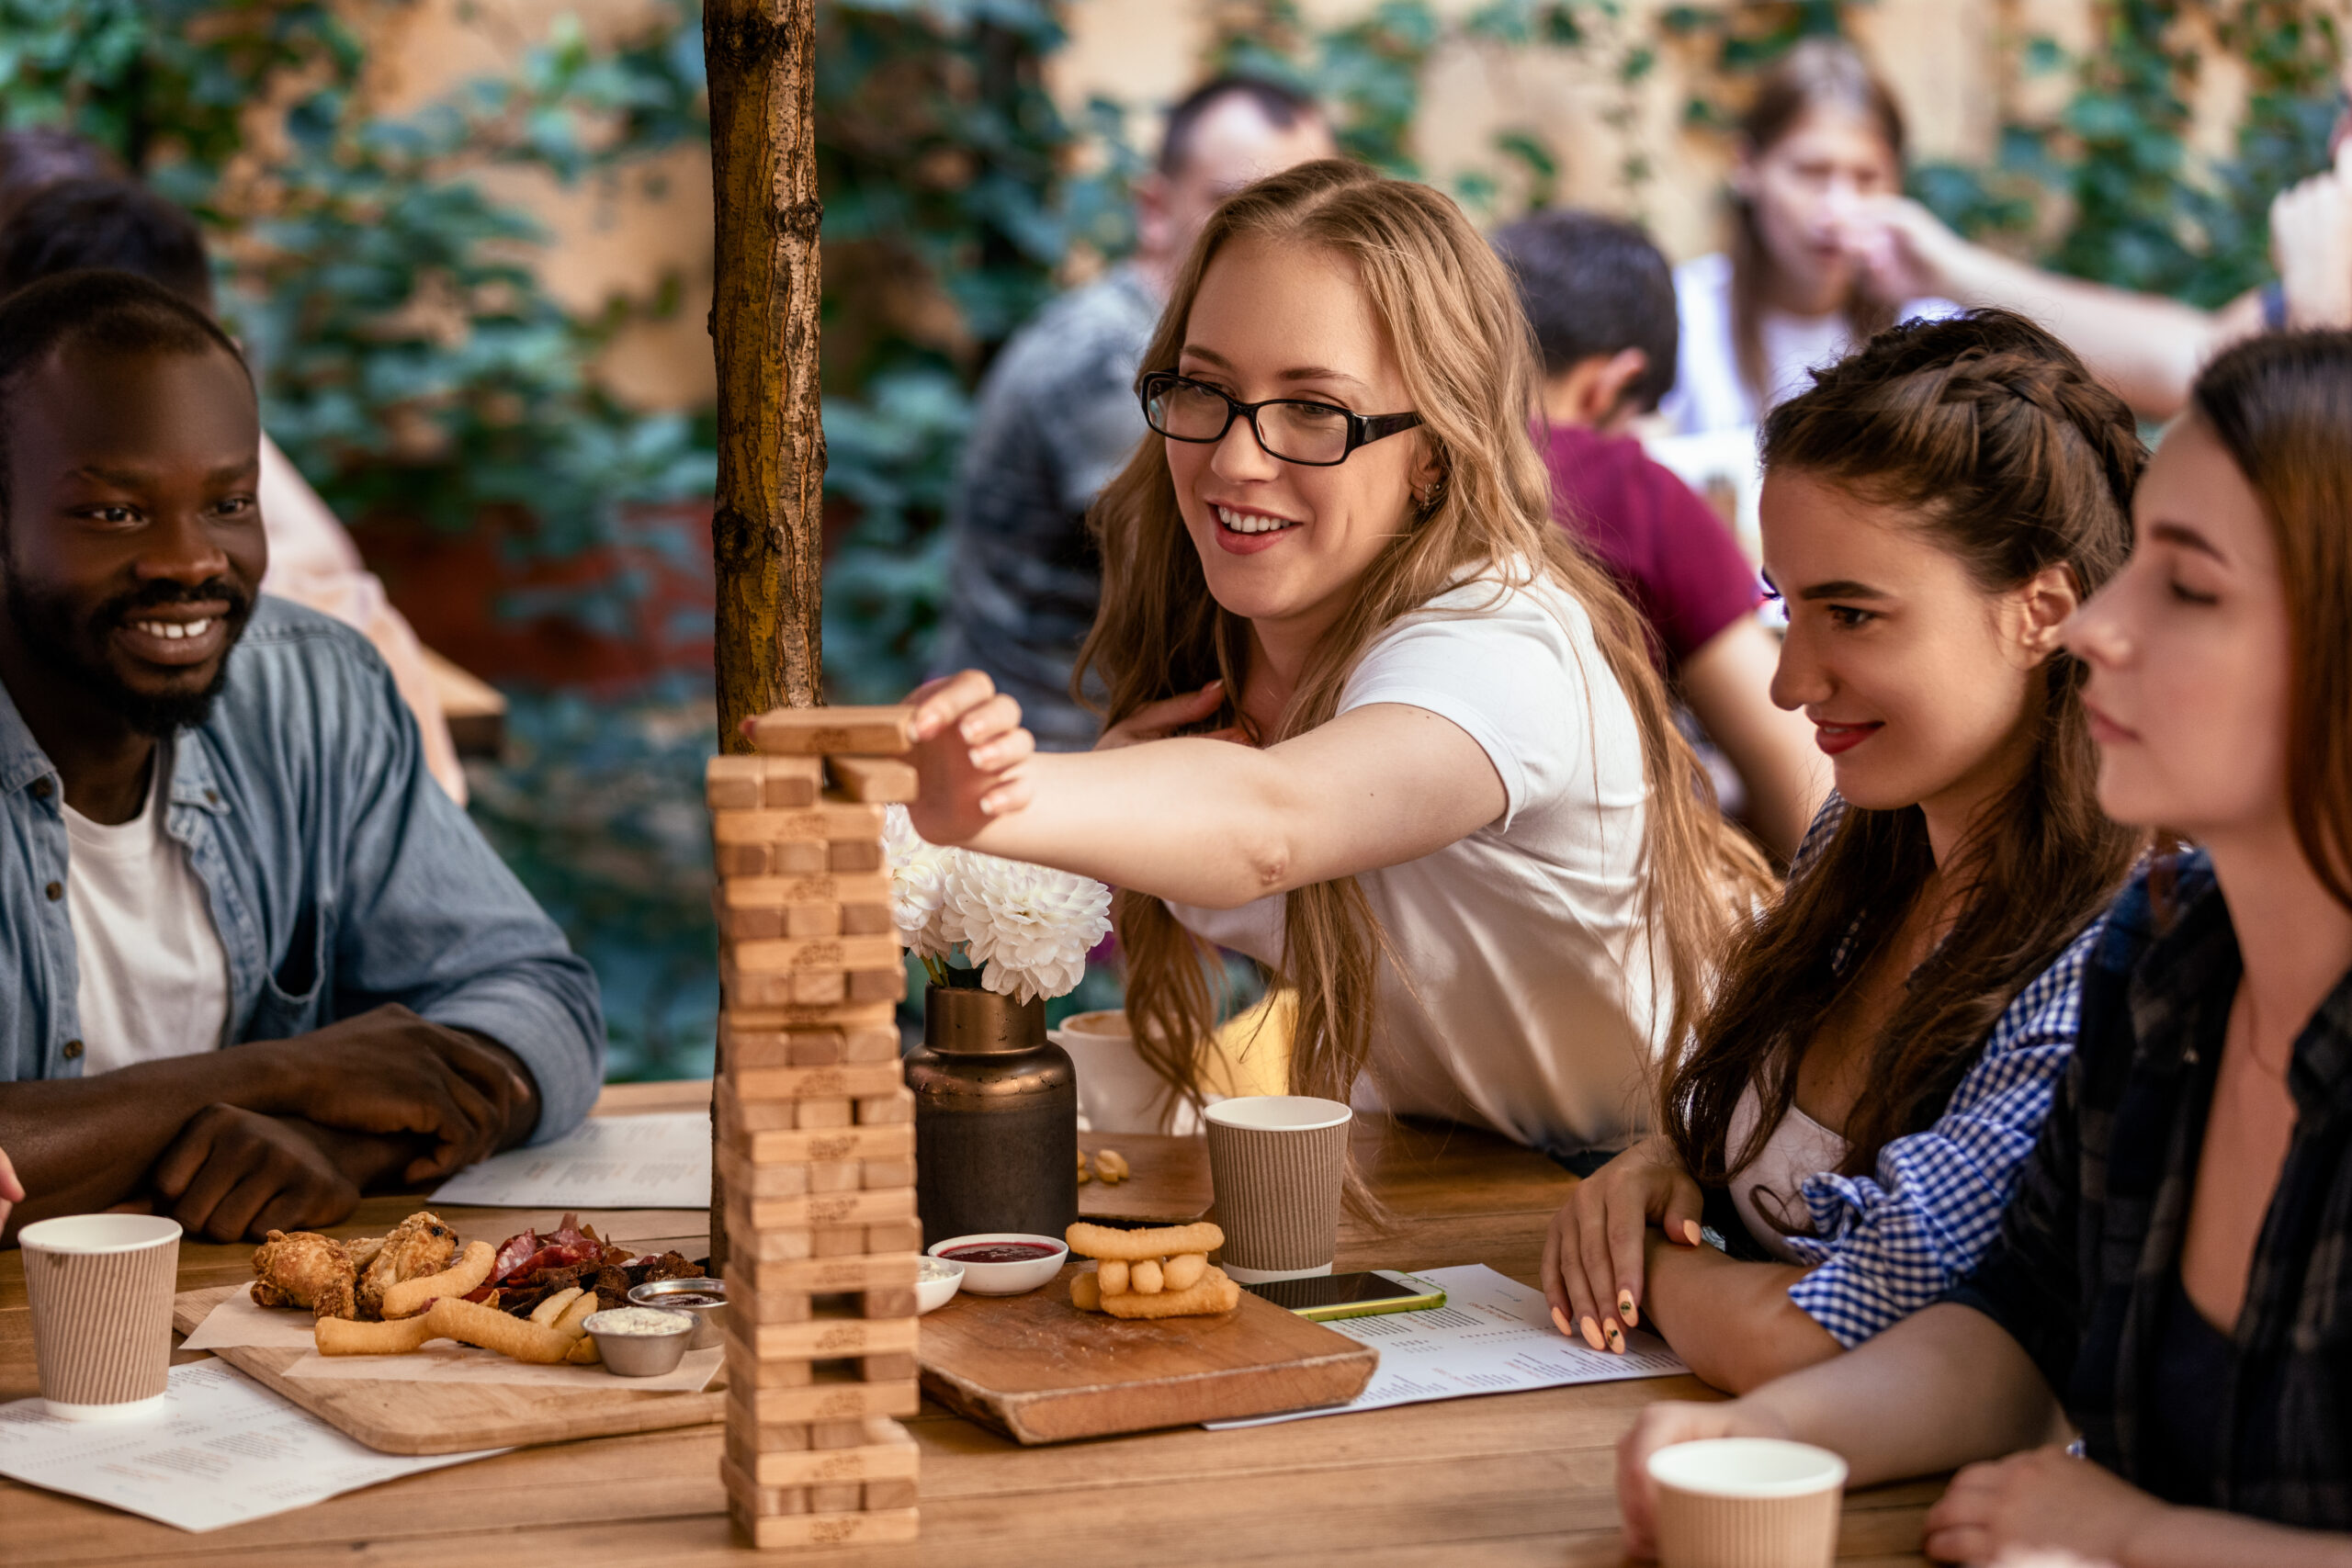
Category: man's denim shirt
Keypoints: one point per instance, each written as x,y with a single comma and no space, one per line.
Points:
339,875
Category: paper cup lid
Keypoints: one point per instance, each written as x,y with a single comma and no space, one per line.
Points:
1746,1467
1278,1112
86,1234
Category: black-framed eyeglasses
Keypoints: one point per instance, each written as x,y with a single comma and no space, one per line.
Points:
1316,436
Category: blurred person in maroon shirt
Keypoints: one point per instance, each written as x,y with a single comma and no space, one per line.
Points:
1600,299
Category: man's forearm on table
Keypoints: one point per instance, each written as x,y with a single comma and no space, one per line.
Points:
85,1144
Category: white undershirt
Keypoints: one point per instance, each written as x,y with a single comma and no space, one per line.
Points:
154,975
1520,999
1769,1191
1709,392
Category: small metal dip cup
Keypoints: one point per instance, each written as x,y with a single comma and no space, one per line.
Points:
642,1355
710,1316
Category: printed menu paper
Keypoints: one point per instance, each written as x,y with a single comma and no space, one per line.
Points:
222,1449
659,1161
1492,1336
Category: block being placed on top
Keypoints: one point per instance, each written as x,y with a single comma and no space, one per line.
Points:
851,732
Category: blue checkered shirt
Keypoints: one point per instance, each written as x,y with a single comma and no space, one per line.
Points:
1886,1245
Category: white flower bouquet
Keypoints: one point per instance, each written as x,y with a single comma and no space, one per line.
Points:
1027,928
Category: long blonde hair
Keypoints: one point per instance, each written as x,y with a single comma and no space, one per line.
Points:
1468,361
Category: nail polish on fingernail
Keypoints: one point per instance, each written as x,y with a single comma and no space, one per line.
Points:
1626,1309
1691,1229
1560,1322
1592,1334
1616,1340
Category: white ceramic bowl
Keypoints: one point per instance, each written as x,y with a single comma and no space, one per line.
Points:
1004,1278
932,1294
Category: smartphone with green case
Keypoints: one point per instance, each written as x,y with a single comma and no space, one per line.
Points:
1323,1297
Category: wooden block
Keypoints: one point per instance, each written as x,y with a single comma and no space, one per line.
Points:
800,987
855,731
877,985
828,1336
886,1496
867,920
894,1235
873,1273
853,1015
893,1526
772,1244
883,1108
739,860
785,1440
864,1462
869,1144
750,925
887,1304
789,783
814,1047
746,1372
832,1395
802,1210
736,1174
873,778
866,1081
853,1434
839,952
835,1176
828,821
764,1502
732,784
893,1367
840,1498
880,1173
847,854
838,1241
863,891
749,1305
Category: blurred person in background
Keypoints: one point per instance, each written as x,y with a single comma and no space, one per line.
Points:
100,220
1822,138
2147,347
1057,415
1600,300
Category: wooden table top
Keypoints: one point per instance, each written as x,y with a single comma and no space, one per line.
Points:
1508,1479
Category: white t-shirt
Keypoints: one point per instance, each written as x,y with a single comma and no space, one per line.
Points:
153,976
1709,394
1529,1008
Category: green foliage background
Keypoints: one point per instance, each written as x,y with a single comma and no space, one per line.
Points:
414,367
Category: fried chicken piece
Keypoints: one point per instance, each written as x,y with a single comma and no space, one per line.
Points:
361,1250
419,1246
304,1269
670,1266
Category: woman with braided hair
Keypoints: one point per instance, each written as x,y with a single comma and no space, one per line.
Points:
1880,1047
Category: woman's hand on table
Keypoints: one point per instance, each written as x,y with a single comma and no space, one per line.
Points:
236,1173
968,746
1593,1271
2043,1497
1668,1422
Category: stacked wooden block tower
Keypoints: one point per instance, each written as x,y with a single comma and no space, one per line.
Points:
816,1133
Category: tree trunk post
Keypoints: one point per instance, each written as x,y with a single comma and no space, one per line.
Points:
765,527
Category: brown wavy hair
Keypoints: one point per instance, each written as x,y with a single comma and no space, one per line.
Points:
1817,74
1993,440
1469,359
2282,408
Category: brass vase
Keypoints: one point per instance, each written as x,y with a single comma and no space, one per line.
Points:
995,1116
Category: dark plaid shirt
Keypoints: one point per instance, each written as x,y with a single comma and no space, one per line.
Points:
2090,1248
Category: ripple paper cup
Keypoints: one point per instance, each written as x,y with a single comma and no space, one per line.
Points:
1746,1503
1278,1161
100,1289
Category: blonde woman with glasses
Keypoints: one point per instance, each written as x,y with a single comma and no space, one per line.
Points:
1372,720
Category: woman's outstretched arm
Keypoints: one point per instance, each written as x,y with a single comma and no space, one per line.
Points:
1197,820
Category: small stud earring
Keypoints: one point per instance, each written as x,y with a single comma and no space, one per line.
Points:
1426,502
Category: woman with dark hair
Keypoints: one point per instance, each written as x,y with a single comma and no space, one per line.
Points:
1882,1044
1821,140
2175,1271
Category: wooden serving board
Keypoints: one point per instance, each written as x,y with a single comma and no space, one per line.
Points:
1169,1184
448,1419
1042,1372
